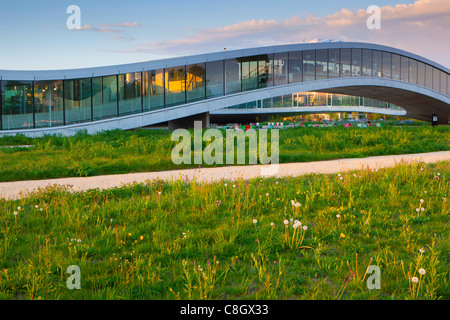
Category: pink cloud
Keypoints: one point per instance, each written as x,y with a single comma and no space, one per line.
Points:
421,27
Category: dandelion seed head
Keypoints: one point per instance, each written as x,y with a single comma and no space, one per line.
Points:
255,221
305,228
422,271
415,279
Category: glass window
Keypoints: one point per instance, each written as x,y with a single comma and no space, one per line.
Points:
232,76
130,93
48,104
436,79
356,62
17,105
429,76
421,74
309,65
214,79
404,69
321,64
153,90
387,65
396,68
346,58
77,96
448,85
280,68
175,84
105,97
377,64
195,82
413,71
367,63
295,66
265,71
443,87
249,67
333,63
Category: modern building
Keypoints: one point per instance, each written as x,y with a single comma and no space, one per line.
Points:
179,90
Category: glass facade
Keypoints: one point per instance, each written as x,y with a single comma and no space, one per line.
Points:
346,66
232,76
42,104
356,62
321,64
195,82
77,100
17,105
215,84
387,65
249,67
396,68
153,90
367,63
333,63
104,100
316,99
48,104
377,57
130,93
265,71
175,86
295,67
309,65
280,69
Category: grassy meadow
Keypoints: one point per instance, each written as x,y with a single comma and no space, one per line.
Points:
309,237
117,151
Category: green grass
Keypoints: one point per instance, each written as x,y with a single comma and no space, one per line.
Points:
186,240
119,151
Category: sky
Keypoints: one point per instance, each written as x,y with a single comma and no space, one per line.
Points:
35,36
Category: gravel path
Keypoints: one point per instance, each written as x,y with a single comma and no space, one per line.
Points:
18,189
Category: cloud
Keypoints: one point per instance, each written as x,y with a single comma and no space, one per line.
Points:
421,27
116,29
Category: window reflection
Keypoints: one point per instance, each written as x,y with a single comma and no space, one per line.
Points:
195,82
356,62
396,68
333,63
104,97
175,84
309,65
377,64
153,93
48,103
214,79
232,76
387,65
295,66
367,63
77,96
17,105
321,64
346,58
130,93
280,69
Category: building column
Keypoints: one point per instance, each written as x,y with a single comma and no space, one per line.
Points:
188,122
